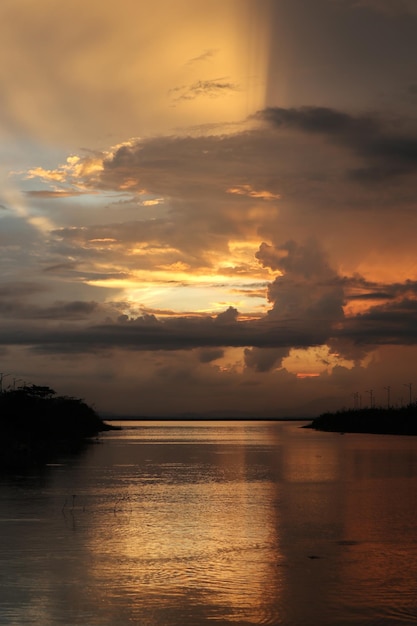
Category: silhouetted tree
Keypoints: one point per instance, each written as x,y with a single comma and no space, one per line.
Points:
35,423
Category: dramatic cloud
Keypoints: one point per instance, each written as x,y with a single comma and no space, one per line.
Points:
308,290
388,153
209,207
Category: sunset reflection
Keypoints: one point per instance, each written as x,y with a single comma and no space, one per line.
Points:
187,524
209,541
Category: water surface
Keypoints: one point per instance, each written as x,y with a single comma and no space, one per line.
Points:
225,523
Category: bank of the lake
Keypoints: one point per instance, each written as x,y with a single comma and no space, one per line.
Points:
37,424
375,420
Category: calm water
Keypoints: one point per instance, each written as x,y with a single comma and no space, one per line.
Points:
179,524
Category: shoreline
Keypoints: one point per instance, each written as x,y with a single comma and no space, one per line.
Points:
376,420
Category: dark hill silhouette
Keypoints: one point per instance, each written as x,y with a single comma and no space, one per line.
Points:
36,424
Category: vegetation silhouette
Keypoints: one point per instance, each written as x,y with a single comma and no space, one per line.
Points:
37,424
376,420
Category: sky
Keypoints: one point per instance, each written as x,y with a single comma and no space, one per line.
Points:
208,207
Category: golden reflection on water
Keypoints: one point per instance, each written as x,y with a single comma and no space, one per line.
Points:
239,524
208,540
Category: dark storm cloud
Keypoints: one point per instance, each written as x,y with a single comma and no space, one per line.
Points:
300,153
388,152
149,333
181,166
315,156
68,311
389,324
322,120
309,288
384,325
77,310
264,359
358,288
306,305
227,317
307,302
308,296
18,289
207,356
306,322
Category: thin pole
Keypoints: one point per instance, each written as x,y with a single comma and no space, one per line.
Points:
388,389
409,385
371,394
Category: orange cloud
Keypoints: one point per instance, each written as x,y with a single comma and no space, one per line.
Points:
247,190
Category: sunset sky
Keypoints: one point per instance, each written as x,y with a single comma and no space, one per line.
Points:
208,207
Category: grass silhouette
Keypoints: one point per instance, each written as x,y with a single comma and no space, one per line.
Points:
378,420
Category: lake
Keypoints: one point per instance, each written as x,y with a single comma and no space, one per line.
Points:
220,523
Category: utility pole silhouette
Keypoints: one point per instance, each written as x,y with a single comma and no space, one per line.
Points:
388,390
409,385
356,400
371,395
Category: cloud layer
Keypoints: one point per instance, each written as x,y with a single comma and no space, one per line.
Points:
210,207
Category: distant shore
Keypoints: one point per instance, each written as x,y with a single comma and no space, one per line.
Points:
165,418
376,420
